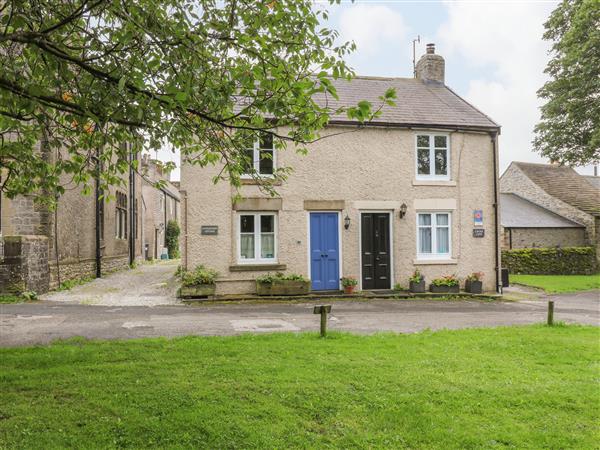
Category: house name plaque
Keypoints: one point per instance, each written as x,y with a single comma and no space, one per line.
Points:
478,232
209,230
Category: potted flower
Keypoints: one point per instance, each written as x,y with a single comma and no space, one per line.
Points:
417,282
199,282
473,283
445,284
349,284
282,284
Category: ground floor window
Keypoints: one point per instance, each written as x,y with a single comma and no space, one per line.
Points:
433,235
121,216
257,237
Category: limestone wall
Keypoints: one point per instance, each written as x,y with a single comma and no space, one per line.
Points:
24,266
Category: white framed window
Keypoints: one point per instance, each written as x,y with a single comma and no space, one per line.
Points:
434,235
257,237
432,157
260,158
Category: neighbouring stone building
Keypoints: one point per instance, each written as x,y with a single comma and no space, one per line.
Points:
161,205
69,232
527,225
40,247
416,188
572,197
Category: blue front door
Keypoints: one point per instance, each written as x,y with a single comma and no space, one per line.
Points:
324,251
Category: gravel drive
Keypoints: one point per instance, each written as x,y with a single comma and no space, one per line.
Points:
146,285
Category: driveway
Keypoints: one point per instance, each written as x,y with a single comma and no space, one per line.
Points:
146,285
43,322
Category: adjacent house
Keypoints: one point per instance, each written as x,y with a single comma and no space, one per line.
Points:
82,237
527,225
414,189
560,189
161,205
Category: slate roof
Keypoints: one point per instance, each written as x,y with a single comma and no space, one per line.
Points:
565,184
594,180
516,212
418,103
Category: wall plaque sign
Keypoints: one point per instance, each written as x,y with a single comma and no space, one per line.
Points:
209,230
478,232
478,217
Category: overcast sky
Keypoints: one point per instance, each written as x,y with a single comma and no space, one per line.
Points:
494,52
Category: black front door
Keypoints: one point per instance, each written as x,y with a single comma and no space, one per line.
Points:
375,239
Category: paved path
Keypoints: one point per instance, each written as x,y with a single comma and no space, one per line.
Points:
146,285
43,322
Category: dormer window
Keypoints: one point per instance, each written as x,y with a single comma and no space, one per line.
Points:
432,157
260,158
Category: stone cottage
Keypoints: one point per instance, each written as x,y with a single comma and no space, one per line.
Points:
63,244
564,192
160,206
416,188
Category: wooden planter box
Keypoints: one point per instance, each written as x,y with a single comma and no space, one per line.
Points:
283,287
198,291
474,287
417,288
444,289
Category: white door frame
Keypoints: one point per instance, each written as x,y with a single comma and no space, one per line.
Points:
376,211
339,217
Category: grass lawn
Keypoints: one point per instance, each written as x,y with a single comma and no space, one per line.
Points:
559,283
520,387
11,299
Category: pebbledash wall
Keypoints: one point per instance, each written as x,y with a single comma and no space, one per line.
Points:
372,169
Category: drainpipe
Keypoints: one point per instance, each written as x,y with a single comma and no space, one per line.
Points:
494,138
98,193
185,230
132,218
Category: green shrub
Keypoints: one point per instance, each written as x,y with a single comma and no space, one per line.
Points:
399,287
551,261
279,276
200,275
448,280
172,238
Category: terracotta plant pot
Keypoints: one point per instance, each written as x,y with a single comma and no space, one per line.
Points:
417,288
349,289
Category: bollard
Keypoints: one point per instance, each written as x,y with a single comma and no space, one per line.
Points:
550,313
323,310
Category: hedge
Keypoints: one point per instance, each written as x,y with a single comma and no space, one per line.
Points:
551,261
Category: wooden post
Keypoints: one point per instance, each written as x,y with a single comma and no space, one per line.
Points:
323,310
550,313
323,322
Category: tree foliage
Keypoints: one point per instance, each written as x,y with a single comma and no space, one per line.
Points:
82,77
569,130
172,238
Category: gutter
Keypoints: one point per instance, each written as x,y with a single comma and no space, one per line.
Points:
494,139
421,126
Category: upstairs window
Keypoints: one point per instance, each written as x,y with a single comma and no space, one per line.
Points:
257,238
260,157
433,157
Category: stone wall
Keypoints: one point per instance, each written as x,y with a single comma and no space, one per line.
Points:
24,266
543,237
74,270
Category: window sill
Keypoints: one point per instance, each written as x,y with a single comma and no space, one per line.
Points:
256,267
266,180
433,183
424,262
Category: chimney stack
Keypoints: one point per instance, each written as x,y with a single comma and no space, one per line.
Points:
431,67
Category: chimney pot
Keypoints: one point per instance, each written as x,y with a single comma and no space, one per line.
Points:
431,49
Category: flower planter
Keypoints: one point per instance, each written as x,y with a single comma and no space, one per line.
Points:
444,289
474,287
283,287
197,291
417,288
349,289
